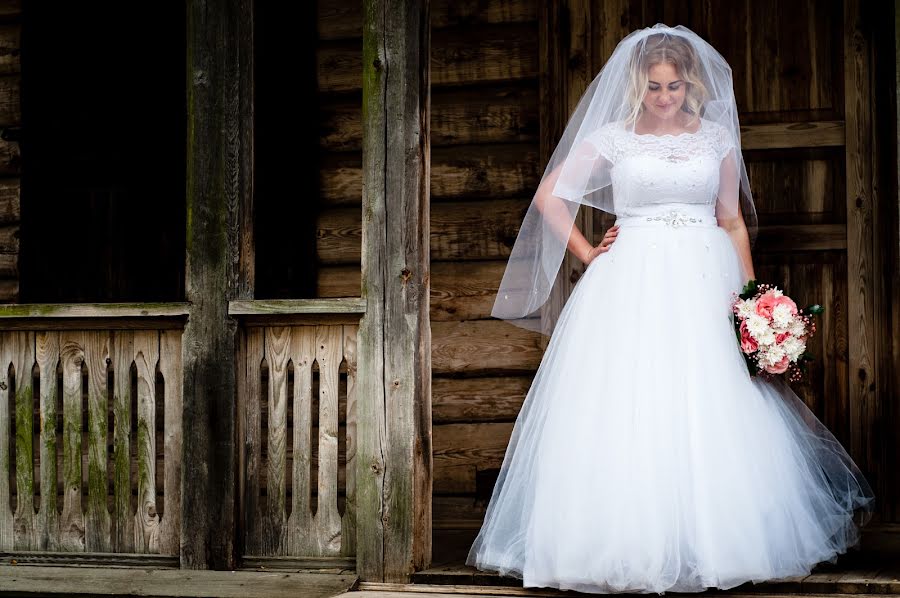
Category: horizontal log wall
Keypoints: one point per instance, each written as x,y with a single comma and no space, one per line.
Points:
10,165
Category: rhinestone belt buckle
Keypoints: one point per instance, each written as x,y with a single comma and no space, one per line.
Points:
674,218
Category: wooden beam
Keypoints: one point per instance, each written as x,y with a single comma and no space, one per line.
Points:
791,135
219,112
394,472
258,307
864,401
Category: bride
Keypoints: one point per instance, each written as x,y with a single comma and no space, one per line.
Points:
645,457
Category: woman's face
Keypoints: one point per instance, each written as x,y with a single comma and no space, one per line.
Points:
665,91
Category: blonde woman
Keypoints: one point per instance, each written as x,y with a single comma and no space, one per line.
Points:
645,457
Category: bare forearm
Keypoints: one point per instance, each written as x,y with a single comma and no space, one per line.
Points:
558,215
741,241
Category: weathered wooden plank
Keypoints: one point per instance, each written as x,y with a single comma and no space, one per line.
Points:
485,54
10,100
471,172
478,399
170,367
484,346
348,520
47,356
24,516
300,536
9,289
10,156
7,354
329,350
71,521
97,356
394,450
262,307
825,133
127,581
254,354
467,447
10,200
146,518
278,343
10,48
123,513
462,230
10,8
503,114
341,19
861,207
93,310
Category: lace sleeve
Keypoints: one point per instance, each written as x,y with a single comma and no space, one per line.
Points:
603,141
722,141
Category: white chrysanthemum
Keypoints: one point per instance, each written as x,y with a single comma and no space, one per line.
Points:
777,292
797,328
757,324
766,337
781,316
746,308
793,347
774,354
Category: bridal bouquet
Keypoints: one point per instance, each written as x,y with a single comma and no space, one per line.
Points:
771,331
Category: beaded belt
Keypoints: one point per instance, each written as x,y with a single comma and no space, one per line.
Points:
671,218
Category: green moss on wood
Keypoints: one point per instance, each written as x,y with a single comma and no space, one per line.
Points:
24,436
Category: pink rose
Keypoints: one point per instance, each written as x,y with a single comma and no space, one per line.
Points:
779,338
785,300
748,343
766,303
779,367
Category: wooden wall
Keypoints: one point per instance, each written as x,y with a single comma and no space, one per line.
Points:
10,123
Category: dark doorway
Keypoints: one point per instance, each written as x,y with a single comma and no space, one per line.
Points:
103,152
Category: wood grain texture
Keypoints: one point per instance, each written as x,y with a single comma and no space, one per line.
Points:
146,517
394,401
97,356
500,114
340,19
47,356
301,536
123,512
458,172
483,230
329,351
172,373
71,521
864,401
7,355
484,346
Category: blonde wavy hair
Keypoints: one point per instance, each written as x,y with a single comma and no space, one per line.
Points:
662,48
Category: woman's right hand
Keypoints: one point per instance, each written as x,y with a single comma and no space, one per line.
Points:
603,247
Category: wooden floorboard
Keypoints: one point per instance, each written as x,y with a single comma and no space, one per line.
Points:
82,581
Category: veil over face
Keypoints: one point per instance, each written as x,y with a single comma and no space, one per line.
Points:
580,169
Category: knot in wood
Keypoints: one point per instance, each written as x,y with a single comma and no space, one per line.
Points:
201,78
378,64
151,510
2,385
405,274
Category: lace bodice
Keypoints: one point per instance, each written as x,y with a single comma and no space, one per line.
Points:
650,170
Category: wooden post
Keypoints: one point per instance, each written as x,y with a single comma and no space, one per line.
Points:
861,206
218,269
394,452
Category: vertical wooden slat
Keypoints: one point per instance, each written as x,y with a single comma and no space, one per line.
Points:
146,519
278,343
23,362
394,469
252,441
97,519
47,356
327,519
864,400
71,522
348,521
123,512
300,536
7,529
170,366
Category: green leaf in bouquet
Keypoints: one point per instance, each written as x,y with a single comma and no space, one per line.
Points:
814,309
749,289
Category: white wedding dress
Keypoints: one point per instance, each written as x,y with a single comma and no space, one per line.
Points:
645,457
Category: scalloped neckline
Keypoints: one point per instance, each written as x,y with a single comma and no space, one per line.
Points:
673,135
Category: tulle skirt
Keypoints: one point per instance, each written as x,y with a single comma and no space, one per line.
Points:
646,458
